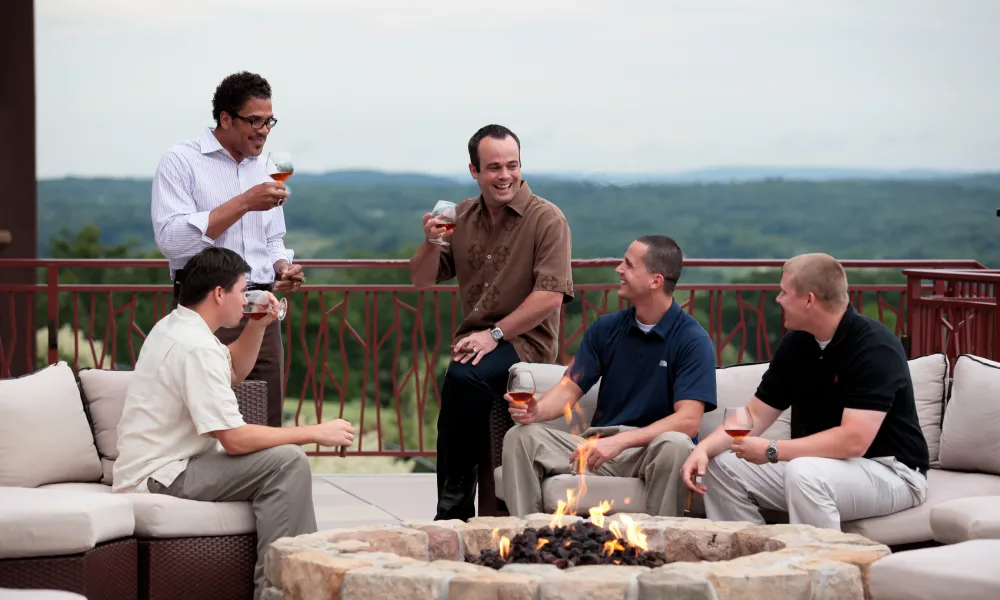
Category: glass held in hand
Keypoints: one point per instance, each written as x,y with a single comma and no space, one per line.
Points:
737,422
444,212
279,166
521,386
259,303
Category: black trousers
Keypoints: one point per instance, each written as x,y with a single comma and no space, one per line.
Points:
466,397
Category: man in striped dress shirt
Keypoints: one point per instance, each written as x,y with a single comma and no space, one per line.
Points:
214,190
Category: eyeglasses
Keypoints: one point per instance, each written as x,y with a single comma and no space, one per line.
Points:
258,122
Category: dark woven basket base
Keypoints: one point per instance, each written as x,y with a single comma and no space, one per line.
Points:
490,458
197,568
108,572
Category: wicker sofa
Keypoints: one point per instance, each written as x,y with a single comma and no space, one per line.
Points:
62,528
959,418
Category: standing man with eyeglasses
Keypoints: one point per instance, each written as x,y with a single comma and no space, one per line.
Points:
214,190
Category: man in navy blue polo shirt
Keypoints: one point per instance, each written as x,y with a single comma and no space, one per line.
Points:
656,364
856,447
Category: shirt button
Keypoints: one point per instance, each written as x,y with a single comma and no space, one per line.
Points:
476,309
489,256
486,285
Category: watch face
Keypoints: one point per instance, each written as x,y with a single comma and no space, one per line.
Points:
497,334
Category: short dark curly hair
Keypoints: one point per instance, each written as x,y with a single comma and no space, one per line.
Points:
235,90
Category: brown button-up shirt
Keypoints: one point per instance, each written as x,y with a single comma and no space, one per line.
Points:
498,267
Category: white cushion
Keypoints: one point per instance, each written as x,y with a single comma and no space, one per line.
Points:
914,524
104,391
9,594
163,516
966,519
44,433
929,375
44,522
966,571
969,440
735,386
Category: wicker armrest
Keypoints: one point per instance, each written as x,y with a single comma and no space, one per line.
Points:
491,457
252,398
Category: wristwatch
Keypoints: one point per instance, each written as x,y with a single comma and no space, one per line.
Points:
496,333
772,452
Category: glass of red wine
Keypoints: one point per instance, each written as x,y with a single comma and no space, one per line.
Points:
737,422
259,302
521,386
444,211
280,168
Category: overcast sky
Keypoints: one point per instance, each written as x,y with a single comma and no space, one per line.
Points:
588,85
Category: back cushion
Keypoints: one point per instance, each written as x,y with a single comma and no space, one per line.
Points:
969,440
104,392
44,433
930,382
736,385
546,377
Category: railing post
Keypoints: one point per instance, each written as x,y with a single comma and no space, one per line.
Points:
913,315
53,325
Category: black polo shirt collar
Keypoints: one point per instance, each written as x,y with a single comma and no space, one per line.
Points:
844,328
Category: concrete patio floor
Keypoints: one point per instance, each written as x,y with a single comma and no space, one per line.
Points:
352,500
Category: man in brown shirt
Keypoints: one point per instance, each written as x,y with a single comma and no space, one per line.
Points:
510,251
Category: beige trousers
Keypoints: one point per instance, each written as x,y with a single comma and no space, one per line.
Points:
814,491
534,452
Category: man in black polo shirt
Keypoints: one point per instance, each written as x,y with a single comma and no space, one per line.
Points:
856,448
656,364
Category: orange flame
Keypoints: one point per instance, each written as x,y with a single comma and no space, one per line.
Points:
612,546
541,543
501,543
597,512
633,534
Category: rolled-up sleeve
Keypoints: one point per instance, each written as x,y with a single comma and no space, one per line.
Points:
178,226
275,230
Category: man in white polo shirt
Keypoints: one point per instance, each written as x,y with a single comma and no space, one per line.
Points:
214,190
181,431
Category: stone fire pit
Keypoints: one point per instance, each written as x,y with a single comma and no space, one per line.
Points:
707,560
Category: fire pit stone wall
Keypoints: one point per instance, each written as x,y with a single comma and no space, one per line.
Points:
706,559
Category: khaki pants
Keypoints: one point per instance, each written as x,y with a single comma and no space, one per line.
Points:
815,491
534,452
277,481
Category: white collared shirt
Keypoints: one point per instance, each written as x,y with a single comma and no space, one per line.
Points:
181,391
198,176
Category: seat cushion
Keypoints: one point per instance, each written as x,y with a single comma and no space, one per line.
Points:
914,525
162,516
972,418
966,519
929,375
626,494
45,436
965,571
45,522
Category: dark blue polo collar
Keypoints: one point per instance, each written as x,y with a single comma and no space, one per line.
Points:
663,325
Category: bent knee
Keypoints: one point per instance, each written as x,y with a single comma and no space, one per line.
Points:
671,442
804,470
520,433
288,456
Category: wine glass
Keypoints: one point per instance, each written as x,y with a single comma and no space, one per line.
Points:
259,302
445,212
521,386
737,422
279,166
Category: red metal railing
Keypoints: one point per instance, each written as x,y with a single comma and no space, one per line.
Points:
377,353
959,315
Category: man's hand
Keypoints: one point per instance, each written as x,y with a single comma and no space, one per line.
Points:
695,466
432,227
264,196
599,451
337,432
523,412
751,449
289,276
474,347
270,316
